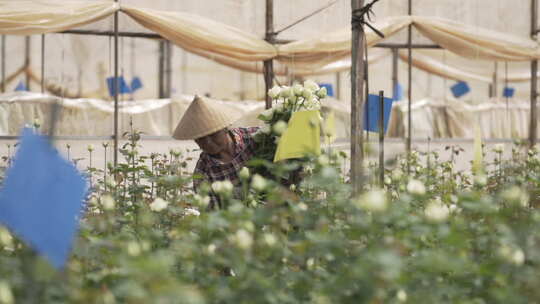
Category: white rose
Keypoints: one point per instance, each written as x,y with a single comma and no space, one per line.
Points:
454,208
306,94
311,85
269,239
227,186
323,160
322,93
6,296
279,127
436,212
107,202
286,92
516,195
298,89
133,248
512,255
243,239
191,211
293,99
244,173
5,238
217,186
401,295
480,180
202,201
498,148
373,200
518,257
258,182
211,249
274,92
158,204
265,129
416,187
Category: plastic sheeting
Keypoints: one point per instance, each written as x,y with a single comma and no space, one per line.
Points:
476,43
39,17
209,38
447,69
195,34
453,118
94,117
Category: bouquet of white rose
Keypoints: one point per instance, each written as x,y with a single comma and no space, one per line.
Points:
286,102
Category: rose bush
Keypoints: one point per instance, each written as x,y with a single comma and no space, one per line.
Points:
433,235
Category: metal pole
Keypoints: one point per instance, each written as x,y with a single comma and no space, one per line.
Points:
533,127
269,64
394,71
381,138
409,104
338,86
161,74
116,87
168,77
3,63
357,102
27,60
168,68
495,78
42,63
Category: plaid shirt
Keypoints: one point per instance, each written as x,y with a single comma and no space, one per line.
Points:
213,169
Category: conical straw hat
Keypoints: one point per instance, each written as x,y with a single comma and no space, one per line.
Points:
204,117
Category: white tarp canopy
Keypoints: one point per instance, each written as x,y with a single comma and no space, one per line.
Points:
230,31
474,34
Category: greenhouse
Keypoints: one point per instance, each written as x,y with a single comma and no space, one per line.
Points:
234,151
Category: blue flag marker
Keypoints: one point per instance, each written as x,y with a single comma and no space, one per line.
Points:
136,84
21,87
508,92
372,113
398,92
42,198
329,88
459,89
124,88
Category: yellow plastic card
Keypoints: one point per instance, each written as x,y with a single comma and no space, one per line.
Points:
302,136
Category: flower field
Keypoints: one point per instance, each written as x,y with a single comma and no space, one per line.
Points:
434,235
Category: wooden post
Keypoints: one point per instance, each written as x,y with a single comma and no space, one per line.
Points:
116,87
269,64
381,138
357,103
409,104
42,63
27,61
533,127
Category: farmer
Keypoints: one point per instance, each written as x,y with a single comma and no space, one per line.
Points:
225,150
